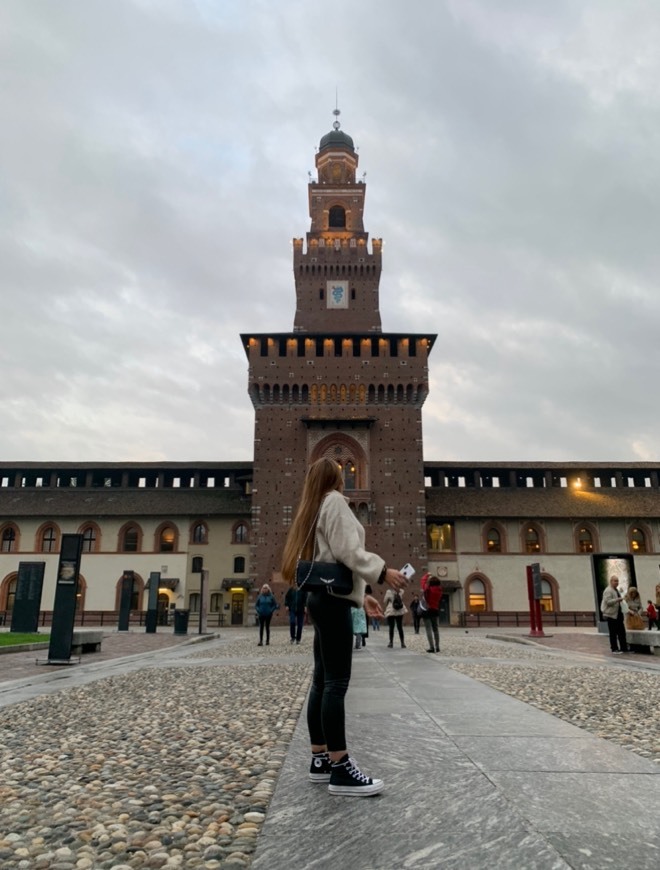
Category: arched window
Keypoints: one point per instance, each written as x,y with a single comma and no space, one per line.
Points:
349,473
337,217
637,540
547,599
493,541
166,540
200,533
197,564
241,534
532,543
48,543
476,595
8,592
89,539
130,540
239,565
9,540
137,590
585,540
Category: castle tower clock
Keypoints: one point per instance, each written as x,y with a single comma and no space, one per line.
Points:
337,385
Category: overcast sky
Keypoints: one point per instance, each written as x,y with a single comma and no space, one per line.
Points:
154,160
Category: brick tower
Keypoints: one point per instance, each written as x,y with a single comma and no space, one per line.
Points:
337,385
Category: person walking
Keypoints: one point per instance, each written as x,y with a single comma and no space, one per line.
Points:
395,610
266,605
372,608
295,602
414,609
336,536
610,607
652,615
432,592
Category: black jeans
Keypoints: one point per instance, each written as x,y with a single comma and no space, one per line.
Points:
296,621
264,622
617,632
431,625
333,650
399,627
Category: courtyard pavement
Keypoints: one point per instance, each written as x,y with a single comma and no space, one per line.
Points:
475,778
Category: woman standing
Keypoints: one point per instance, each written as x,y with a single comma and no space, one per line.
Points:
326,530
266,605
395,610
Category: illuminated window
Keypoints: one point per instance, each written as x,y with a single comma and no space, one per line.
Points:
638,541
441,537
167,538
547,601
476,595
532,540
585,541
493,541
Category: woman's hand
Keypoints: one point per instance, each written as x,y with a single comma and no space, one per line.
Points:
395,580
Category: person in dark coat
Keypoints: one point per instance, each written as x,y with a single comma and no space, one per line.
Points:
295,602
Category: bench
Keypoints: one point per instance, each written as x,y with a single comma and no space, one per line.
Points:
641,637
86,640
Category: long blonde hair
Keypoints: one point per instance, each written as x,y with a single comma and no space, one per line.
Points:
323,476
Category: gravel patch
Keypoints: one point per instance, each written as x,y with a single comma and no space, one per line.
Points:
162,768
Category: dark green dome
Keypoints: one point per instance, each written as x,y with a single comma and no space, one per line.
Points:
336,138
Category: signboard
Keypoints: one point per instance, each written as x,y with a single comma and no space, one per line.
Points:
64,607
536,581
125,600
27,602
152,605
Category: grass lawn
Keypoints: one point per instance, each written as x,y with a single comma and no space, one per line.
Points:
11,638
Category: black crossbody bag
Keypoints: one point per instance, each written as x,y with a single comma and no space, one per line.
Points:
332,576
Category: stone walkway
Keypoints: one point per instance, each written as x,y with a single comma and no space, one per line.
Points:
160,752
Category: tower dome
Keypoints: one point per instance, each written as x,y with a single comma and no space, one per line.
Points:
336,137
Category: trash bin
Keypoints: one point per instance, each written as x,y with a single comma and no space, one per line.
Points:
181,621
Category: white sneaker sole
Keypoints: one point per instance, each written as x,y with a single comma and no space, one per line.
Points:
319,777
358,790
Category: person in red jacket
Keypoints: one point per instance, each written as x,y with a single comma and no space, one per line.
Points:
432,592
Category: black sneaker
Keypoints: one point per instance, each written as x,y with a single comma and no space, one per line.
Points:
319,769
347,779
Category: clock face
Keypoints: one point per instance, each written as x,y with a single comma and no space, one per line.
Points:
336,172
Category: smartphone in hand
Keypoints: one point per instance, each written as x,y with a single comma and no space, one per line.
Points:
407,571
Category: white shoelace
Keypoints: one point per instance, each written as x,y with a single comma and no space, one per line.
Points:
355,772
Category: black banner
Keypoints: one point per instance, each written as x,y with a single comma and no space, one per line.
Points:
64,608
152,606
125,600
27,603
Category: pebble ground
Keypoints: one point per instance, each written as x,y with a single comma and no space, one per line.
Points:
175,766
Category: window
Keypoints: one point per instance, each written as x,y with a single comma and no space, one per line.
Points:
130,540
241,534
532,540
215,602
200,533
48,540
89,538
476,595
441,537
493,541
337,217
286,515
585,541
9,540
193,602
166,540
239,565
197,564
637,541
389,515
547,601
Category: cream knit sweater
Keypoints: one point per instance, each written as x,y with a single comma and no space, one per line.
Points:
340,538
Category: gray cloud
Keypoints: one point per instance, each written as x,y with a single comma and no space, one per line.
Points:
154,164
